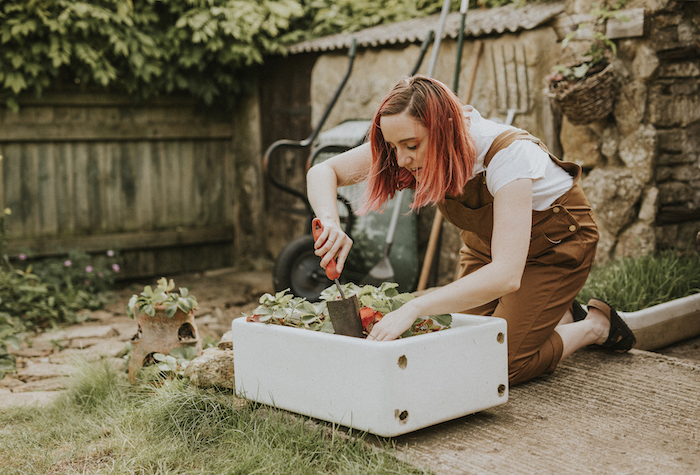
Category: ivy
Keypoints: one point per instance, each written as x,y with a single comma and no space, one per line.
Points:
145,48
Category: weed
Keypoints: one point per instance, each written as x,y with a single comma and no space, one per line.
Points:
632,284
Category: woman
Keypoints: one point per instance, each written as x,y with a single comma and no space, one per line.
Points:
528,231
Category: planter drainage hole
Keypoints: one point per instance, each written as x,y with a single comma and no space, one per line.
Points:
402,362
402,416
149,359
500,337
501,390
186,332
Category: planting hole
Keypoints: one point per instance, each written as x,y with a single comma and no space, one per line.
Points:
401,415
402,362
502,390
149,360
186,332
500,338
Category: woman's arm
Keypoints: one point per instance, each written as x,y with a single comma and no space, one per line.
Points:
322,182
510,242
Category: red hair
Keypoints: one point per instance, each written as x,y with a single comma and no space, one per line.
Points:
450,153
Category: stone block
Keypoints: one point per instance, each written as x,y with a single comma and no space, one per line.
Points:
667,110
214,368
613,194
637,240
674,192
630,106
671,140
682,69
580,144
637,151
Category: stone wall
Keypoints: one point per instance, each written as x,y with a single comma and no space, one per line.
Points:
642,163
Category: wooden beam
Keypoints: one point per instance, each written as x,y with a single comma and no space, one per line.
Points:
122,131
144,240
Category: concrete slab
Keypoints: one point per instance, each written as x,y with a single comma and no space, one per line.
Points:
597,413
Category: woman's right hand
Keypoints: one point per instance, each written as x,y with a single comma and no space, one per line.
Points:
332,243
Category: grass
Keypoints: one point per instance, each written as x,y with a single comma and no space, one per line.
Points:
632,284
101,424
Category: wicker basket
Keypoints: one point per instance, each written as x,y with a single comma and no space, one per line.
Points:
588,100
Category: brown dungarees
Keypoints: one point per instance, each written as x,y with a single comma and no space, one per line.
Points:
562,250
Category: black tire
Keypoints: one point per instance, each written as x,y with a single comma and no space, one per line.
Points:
297,268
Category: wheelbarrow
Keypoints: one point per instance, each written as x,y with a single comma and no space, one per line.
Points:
296,266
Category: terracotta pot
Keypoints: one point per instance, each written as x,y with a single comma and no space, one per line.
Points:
160,334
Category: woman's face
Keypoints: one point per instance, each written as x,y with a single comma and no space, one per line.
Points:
408,138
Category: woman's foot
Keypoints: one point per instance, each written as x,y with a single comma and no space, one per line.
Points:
614,332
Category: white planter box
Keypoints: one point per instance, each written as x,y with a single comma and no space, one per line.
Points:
386,388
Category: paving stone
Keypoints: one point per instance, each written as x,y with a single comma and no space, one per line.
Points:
101,315
10,381
38,398
90,331
51,384
126,329
105,348
35,371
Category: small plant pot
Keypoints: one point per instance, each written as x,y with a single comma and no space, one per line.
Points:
160,334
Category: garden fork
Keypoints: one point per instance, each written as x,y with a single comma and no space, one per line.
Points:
513,99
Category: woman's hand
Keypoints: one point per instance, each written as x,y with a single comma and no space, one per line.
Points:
332,243
393,324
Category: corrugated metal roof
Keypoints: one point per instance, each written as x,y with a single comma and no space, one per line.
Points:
479,22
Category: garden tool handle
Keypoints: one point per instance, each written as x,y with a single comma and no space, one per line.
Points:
317,229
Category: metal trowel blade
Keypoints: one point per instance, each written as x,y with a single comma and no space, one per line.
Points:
345,316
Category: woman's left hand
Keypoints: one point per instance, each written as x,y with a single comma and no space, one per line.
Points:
393,324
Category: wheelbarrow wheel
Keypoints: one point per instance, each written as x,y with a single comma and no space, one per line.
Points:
297,268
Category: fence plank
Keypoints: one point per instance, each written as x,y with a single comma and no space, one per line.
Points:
65,189
46,197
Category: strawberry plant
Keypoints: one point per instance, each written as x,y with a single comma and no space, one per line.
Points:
375,302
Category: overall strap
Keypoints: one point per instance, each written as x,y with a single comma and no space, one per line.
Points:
505,139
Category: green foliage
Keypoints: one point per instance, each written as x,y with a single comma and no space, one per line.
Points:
79,271
55,291
142,47
600,51
176,362
147,48
286,309
161,296
633,284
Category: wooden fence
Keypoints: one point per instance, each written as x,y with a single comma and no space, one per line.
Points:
154,181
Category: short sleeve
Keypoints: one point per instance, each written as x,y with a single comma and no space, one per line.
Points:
521,159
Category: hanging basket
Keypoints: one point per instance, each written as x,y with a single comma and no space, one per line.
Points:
588,100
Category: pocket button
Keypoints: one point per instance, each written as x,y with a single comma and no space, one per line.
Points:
572,228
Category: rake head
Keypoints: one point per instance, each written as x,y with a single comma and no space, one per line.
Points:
511,81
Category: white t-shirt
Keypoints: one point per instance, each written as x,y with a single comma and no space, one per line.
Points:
521,159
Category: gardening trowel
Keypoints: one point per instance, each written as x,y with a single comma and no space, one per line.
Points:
344,313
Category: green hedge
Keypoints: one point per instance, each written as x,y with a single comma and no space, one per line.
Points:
146,48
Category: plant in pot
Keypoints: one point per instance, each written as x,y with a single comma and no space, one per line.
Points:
166,321
584,88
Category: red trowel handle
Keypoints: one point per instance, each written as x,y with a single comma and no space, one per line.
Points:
317,229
